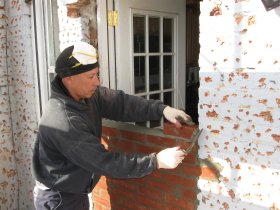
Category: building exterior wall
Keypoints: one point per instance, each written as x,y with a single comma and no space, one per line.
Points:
8,178
236,163
18,116
163,189
77,22
239,104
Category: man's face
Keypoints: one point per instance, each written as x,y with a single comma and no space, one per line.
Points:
84,85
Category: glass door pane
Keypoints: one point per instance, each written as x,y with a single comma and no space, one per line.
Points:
139,74
167,72
139,34
153,56
167,35
154,34
154,73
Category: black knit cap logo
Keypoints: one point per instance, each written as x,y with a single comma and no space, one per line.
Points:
76,59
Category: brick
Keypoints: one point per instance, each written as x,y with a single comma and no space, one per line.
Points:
209,173
151,203
125,146
125,184
184,132
147,191
73,12
145,149
161,141
190,159
110,131
184,145
105,141
190,170
102,202
98,206
133,136
175,201
161,184
188,194
174,179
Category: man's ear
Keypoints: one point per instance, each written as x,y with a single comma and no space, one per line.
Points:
67,81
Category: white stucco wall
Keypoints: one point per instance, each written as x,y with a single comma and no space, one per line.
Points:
71,30
239,104
8,178
17,113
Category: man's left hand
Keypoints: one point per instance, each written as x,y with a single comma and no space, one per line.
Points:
177,116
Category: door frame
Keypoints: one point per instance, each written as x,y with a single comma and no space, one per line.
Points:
107,39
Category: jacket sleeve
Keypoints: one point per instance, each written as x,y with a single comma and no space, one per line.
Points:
84,149
116,105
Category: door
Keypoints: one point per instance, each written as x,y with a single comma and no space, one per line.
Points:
144,52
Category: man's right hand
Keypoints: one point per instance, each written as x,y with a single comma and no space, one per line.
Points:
170,158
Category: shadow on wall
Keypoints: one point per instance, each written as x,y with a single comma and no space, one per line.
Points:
163,189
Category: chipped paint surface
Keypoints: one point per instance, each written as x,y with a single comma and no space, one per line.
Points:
17,114
71,29
239,104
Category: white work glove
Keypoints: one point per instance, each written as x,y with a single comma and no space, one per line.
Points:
176,116
170,158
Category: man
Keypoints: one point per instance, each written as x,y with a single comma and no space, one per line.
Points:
68,157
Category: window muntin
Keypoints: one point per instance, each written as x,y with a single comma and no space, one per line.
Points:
154,57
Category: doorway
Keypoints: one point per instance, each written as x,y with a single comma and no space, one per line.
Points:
143,49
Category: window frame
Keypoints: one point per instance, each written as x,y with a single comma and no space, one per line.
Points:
146,54
46,42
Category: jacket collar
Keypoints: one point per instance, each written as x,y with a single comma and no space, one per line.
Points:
59,91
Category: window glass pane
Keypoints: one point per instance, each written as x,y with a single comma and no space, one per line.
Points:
139,34
139,74
155,96
167,72
155,123
167,35
168,98
154,34
154,73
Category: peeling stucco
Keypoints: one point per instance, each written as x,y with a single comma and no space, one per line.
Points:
17,115
239,105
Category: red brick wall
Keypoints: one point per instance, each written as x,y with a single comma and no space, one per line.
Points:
163,189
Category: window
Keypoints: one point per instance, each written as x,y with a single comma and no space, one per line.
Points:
153,58
47,46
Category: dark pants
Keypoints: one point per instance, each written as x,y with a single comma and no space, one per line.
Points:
54,200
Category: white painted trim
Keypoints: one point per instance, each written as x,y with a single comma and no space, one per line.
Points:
103,42
40,59
112,44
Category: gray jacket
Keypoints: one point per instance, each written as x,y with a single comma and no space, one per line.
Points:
68,154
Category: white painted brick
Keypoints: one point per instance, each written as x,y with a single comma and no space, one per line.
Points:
69,1
20,52
3,83
73,24
222,129
22,21
267,135
18,8
239,104
231,7
19,31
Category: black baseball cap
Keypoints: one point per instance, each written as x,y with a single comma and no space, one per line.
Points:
76,59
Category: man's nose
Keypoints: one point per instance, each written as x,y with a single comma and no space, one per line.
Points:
96,81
